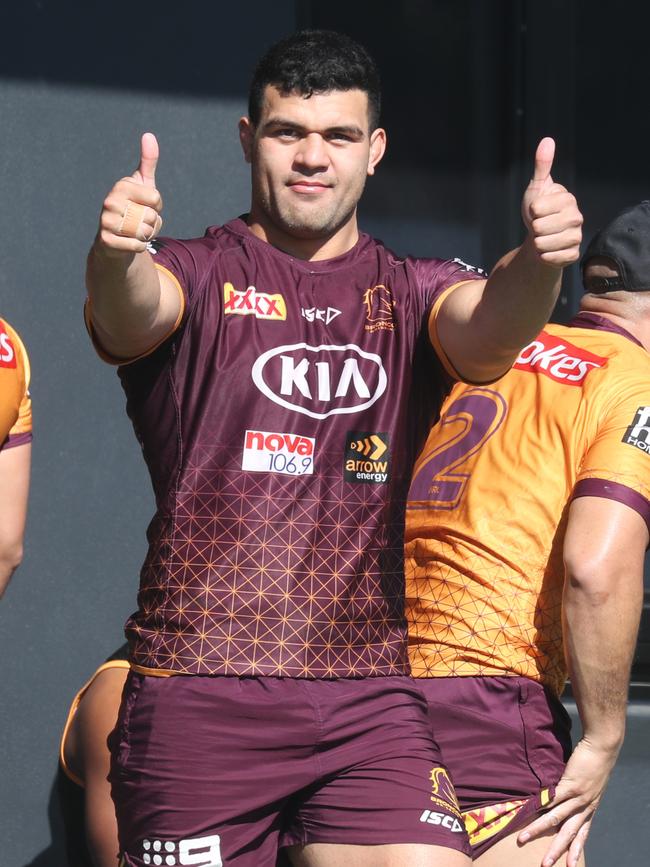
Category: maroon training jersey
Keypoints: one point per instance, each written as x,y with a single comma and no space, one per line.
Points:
274,425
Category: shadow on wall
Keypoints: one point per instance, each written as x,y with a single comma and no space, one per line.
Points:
55,854
198,61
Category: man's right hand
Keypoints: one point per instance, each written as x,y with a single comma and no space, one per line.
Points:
133,305
130,216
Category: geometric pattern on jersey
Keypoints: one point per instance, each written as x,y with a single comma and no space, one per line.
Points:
15,403
251,570
289,594
487,507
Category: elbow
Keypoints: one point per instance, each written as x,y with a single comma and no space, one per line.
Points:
11,556
590,580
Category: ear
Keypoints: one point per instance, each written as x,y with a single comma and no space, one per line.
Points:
377,148
246,133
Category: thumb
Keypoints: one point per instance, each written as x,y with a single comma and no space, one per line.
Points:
544,159
149,153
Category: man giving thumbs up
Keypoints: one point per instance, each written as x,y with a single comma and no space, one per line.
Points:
268,368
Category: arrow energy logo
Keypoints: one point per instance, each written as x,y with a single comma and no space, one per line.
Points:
367,458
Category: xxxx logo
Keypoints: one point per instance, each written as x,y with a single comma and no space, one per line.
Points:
250,302
372,447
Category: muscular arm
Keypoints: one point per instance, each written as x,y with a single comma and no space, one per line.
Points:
604,549
14,483
482,326
133,306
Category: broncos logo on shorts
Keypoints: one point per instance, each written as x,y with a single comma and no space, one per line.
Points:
442,791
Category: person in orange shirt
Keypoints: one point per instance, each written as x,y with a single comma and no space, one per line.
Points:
527,525
15,449
84,763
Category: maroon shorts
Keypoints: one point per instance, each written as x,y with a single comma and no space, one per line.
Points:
505,741
208,770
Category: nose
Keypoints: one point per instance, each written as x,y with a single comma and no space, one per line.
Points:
312,153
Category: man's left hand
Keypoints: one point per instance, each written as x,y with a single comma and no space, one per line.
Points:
551,213
576,797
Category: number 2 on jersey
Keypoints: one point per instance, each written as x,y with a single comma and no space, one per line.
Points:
441,474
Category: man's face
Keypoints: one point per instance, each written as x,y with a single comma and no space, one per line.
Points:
310,159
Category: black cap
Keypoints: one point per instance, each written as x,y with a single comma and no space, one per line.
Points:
626,241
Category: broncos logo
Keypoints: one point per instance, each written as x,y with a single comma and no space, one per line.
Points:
379,308
442,790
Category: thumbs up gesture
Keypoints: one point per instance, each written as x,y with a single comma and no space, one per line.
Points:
551,213
130,216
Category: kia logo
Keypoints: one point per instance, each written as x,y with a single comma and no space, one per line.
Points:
320,381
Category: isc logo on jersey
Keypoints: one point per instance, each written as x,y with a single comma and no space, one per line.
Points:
271,452
7,352
250,302
558,359
320,381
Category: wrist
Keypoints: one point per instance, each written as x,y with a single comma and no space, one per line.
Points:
607,742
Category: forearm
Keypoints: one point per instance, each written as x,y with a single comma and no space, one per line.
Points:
601,620
483,326
132,307
124,293
9,562
517,302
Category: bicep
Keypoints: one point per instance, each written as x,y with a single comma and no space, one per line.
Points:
604,537
456,329
139,324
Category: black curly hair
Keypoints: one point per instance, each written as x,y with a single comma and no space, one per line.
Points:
316,61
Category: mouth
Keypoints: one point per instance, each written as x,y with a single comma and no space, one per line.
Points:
308,187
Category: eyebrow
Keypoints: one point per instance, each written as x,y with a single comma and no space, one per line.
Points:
351,130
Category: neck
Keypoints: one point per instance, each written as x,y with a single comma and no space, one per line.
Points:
310,249
621,311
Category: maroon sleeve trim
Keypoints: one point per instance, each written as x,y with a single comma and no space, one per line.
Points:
614,491
14,440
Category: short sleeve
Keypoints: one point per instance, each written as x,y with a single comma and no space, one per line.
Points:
176,260
187,262
437,279
617,464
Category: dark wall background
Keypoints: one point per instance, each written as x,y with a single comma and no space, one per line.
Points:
470,86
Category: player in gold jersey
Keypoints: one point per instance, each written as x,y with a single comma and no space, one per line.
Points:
15,449
527,527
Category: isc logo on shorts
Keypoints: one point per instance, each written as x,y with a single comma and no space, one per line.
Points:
7,353
431,817
558,359
270,452
199,851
